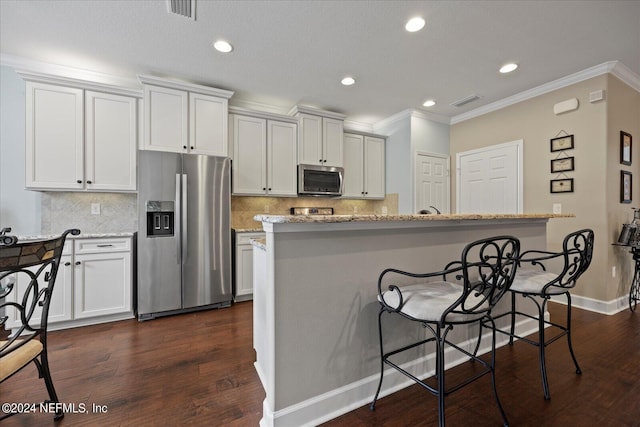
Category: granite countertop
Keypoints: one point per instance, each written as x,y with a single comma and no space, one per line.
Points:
248,230
80,236
259,243
282,219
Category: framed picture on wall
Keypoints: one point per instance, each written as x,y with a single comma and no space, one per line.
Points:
562,143
625,187
562,185
625,148
563,164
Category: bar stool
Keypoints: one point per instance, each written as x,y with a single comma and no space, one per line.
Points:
535,283
463,293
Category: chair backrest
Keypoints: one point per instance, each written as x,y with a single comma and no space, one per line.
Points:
577,248
34,263
488,267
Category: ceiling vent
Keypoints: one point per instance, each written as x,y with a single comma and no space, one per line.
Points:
186,8
465,101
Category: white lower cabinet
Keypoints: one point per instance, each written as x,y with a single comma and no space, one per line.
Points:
102,277
244,265
94,285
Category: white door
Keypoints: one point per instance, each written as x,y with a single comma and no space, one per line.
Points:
432,182
249,155
353,186
374,168
208,125
490,179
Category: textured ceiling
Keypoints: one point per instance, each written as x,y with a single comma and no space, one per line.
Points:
296,52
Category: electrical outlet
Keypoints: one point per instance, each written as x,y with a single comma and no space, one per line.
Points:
384,210
266,208
95,208
613,271
355,210
557,208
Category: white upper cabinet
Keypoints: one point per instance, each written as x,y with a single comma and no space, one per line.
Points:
364,170
185,118
264,156
166,112
320,136
79,139
111,142
54,137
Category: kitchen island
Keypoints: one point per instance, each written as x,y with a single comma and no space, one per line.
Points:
315,306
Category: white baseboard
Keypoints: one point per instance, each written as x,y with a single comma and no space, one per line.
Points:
327,406
604,307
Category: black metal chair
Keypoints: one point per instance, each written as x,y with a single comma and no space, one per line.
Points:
539,285
478,281
34,264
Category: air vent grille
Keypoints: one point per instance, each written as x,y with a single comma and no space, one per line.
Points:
186,8
465,101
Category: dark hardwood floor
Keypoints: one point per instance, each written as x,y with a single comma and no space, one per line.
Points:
197,369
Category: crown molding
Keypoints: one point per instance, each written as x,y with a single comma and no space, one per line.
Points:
306,109
184,85
616,68
59,74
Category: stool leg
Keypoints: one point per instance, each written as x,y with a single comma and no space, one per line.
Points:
541,345
513,318
573,356
46,374
440,373
493,374
373,403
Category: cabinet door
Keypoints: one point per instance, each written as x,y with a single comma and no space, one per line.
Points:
332,141
244,265
310,140
249,155
54,137
111,142
102,284
208,125
353,166
165,119
281,159
374,168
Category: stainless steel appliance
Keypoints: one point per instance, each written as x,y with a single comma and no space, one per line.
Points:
320,180
184,242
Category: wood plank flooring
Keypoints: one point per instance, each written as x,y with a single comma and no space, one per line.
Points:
197,369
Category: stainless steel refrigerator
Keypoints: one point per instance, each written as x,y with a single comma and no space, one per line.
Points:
184,237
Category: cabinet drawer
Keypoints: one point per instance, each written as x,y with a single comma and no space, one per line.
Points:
92,246
244,238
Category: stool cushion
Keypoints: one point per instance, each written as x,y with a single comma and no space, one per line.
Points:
19,357
532,282
428,301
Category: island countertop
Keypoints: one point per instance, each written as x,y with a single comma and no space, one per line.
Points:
302,219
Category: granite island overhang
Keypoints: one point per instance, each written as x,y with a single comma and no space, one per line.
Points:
315,306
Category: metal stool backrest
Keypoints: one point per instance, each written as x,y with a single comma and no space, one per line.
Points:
37,262
487,269
577,251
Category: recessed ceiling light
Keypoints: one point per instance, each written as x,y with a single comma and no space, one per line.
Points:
348,81
429,103
414,24
507,68
222,46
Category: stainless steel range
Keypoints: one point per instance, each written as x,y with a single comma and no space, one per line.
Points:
311,211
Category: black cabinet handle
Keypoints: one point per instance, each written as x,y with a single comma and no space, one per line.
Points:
184,147
67,264
192,147
79,181
89,182
77,262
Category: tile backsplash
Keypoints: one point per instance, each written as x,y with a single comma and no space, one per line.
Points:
118,211
244,208
63,210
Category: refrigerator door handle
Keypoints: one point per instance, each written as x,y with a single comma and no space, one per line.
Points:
178,219
183,208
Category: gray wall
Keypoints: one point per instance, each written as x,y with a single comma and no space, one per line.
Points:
19,208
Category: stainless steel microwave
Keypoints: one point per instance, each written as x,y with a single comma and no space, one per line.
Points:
320,180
